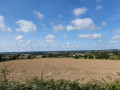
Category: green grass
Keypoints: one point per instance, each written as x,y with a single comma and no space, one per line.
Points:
113,57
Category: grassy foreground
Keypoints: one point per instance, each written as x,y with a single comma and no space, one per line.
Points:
44,84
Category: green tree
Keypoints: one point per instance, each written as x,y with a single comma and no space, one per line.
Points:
76,57
119,54
115,53
85,56
90,57
29,57
1,58
97,56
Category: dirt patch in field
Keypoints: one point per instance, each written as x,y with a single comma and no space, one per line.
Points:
67,68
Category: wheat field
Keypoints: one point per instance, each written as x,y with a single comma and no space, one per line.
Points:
67,68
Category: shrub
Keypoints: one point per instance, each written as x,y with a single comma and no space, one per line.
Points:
76,57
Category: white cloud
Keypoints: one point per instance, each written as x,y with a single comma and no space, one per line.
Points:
28,42
88,36
117,31
98,8
116,37
50,38
113,42
50,41
87,43
67,44
82,24
19,37
70,27
39,41
3,26
60,16
104,23
26,26
58,27
77,46
38,15
79,11
21,41
64,36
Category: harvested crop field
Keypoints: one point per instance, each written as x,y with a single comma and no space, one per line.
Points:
67,68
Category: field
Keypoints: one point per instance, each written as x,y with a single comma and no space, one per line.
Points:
67,68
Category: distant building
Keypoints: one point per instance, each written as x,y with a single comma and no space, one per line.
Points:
78,54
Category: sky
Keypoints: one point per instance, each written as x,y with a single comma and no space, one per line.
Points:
57,25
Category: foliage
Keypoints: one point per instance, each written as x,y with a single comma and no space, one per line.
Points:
90,57
102,55
88,54
85,56
76,57
115,53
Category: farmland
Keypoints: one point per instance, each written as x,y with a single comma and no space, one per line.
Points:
67,68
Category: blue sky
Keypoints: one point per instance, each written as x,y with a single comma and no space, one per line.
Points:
50,25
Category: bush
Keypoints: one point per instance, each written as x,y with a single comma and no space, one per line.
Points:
76,57
85,56
90,57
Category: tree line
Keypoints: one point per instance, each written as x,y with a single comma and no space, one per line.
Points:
61,54
100,55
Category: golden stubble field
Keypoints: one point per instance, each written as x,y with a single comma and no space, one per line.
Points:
67,68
